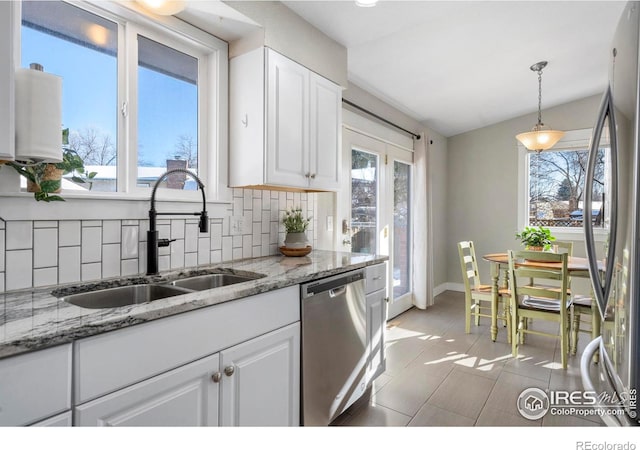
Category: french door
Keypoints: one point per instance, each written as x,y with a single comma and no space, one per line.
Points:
376,210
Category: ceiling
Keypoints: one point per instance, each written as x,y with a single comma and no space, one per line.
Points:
460,65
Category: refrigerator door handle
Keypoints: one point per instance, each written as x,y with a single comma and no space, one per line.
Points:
601,289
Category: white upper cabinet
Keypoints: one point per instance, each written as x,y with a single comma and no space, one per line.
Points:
8,13
284,124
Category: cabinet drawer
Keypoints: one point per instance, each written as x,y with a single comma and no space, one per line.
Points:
60,420
375,277
35,385
120,358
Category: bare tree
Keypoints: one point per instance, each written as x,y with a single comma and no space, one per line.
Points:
93,146
186,148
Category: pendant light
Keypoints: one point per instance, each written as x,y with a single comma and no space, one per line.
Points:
540,138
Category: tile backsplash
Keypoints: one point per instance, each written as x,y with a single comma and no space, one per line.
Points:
42,253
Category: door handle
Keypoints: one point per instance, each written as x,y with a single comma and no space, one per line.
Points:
346,242
602,289
228,371
216,377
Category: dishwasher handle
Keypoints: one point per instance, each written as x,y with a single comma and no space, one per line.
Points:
334,286
337,292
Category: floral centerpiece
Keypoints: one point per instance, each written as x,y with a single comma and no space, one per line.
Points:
295,225
536,239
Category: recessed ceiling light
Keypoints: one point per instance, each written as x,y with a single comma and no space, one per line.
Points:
164,7
366,3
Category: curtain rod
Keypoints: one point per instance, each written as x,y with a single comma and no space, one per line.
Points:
416,136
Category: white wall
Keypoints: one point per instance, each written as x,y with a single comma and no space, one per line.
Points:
287,33
482,184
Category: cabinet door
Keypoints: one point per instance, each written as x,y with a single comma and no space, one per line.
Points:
186,396
376,321
61,420
8,20
287,122
261,381
325,136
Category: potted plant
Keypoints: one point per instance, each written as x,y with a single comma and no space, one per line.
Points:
45,179
295,226
536,239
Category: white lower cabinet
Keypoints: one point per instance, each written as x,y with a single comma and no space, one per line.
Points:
61,420
376,305
261,381
35,386
255,383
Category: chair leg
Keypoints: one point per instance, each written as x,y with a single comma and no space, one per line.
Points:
477,310
564,347
575,328
507,314
467,314
514,329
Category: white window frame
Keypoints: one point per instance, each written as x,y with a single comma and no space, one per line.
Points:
571,139
212,54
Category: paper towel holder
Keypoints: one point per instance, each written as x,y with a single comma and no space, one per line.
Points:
38,116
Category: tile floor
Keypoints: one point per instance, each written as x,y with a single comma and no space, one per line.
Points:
437,375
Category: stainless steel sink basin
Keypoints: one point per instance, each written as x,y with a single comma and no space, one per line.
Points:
123,296
213,280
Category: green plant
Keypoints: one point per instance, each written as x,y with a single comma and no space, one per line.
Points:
536,237
45,187
294,222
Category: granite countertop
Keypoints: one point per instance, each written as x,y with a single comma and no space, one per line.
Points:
34,319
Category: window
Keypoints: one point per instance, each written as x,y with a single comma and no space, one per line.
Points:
557,180
139,98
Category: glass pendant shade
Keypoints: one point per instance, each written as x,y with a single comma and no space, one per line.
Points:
164,7
539,139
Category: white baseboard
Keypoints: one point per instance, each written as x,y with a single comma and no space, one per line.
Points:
457,287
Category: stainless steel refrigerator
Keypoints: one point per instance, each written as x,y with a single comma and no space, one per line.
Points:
615,260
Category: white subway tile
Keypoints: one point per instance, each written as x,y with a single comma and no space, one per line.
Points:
273,249
164,263
238,206
216,236
19,235
190,259
257,209
129,242
91,271
247,244
266,221
2,232
191,238
130,223
257,193
69,233
45,277
91,245
204,252
69,266
248,199
216,256
237,253
45,224
273,233
274,211
256,251
1,281
19,270
266,199
256,230
164,231
289,195
177,254
142,257
111,232
91,223
45,247
237,241
144,227
237,192
227,248
177,229
129,267
2,224
111,260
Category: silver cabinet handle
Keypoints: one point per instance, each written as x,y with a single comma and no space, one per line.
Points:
228,371
379,277
346,242
307,175
313,175
216,377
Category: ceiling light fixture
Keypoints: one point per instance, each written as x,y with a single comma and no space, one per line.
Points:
164,7
366,3
540,138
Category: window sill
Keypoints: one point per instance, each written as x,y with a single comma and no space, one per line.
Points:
577,234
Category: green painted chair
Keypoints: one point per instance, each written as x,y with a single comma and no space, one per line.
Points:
478,296
540,300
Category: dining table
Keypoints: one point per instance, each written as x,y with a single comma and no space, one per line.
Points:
576,267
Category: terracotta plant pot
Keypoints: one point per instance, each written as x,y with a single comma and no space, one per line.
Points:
51,173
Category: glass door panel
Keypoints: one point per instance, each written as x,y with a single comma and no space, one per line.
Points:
401,228
364,202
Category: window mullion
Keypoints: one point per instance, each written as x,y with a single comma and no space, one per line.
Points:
129,171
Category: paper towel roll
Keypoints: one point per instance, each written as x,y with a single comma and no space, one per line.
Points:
38,116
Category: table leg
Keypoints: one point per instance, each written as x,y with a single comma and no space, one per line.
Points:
495,275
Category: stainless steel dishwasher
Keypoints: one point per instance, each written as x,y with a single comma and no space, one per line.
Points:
333,346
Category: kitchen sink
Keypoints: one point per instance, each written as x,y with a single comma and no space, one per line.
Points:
214,280
124,295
